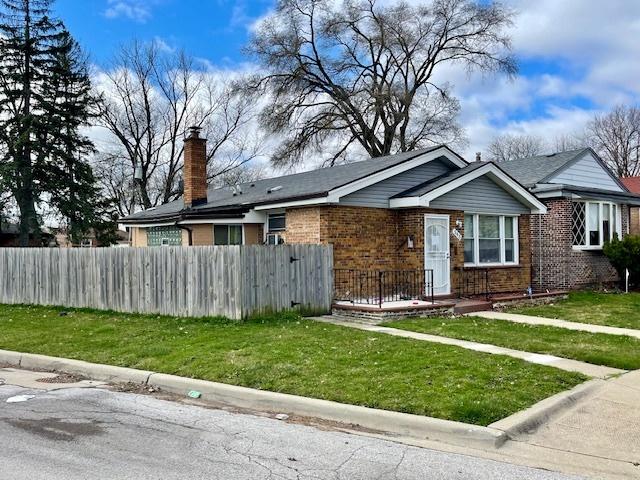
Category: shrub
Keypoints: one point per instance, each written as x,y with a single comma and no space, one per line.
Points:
625,254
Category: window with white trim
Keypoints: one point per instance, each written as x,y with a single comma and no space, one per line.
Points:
490,240
277,222
593,224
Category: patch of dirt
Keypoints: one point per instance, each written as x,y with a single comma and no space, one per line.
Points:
321,424
62,378
131,387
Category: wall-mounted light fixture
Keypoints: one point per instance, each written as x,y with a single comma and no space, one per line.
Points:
410,241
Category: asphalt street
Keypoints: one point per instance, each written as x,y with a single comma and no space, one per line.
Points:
75,433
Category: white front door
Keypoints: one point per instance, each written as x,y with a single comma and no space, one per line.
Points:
436,252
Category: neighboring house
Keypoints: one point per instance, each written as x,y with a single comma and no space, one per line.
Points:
587,204
10,236
633,185
89,240
426,209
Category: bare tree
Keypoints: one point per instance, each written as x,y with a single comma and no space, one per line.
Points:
361,72
149,99
505,148
616,138
566,142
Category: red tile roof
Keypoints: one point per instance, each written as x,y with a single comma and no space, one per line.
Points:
632,184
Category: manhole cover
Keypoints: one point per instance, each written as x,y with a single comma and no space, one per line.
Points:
63,378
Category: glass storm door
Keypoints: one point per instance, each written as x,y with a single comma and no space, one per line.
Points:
436,252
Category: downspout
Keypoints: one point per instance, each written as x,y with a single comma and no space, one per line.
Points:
189,232
540,250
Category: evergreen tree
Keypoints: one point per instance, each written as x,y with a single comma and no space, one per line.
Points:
45,100
71,185
28,40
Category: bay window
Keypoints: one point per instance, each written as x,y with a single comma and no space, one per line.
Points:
490,240
593,224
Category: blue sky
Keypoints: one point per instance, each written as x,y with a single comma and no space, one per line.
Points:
211,29
577,58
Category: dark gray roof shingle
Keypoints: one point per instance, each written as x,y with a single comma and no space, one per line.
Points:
531,170
315,183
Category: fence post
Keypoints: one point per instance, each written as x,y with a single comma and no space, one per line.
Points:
380,275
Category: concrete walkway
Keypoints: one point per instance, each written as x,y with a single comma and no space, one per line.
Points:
604,425
552,322
596,371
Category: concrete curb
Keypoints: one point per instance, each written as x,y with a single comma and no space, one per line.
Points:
397,423
529,420
386,421
104,373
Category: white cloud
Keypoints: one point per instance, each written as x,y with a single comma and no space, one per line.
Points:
137,10
588,45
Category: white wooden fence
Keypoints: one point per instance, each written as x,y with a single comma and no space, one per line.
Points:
233,281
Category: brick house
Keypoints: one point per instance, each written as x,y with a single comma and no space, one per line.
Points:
426,209
633,185
586,205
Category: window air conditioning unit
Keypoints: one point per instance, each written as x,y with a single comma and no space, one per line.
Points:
274,239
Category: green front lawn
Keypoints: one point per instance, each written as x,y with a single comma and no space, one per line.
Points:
292,355
614,309
616,351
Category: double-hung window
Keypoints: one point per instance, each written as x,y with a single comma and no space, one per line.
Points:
490,240
277,222
593,224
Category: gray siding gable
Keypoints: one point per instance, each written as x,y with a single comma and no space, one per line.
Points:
585,172
481,195
378,195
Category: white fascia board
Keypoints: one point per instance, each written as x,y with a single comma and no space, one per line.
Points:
335,195
490,169
250,217
550,194
405,202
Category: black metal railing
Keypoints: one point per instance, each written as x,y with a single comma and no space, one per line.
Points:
375,287
474,282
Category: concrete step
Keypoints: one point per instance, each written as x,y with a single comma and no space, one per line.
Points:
470,306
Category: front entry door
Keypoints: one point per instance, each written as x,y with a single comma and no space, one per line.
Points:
436,252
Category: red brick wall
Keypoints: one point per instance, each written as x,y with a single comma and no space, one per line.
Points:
634,224
376,239
555,263
195,170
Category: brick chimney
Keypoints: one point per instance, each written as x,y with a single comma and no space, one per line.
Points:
195,168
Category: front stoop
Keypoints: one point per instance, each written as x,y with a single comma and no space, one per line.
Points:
470,306
372,315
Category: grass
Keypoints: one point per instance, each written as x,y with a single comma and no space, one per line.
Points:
611,350
613,309
288,354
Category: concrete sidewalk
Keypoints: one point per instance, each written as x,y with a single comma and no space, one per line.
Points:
605,424
552,322
596,371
